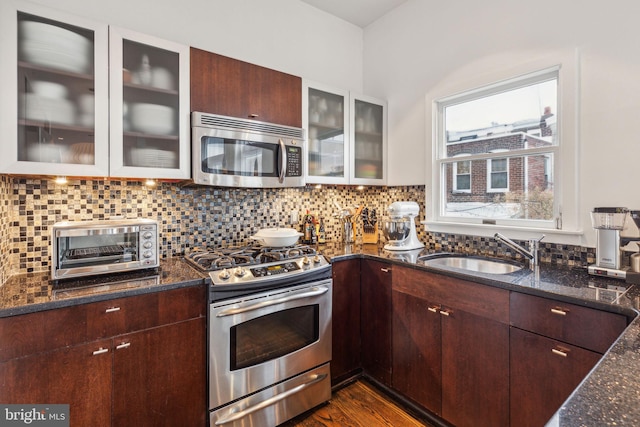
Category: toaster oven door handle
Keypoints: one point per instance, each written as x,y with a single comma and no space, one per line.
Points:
283,161
270,401
314,292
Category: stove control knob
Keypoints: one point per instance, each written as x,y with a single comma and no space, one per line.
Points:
305,260
239,271
224,274
316,259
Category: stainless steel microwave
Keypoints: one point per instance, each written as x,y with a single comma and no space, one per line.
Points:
87,248
232,152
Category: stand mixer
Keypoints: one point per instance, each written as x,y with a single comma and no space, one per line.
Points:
400,228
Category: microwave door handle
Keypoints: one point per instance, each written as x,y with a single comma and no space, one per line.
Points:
283,161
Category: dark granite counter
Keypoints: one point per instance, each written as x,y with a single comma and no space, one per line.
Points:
28,293
610,395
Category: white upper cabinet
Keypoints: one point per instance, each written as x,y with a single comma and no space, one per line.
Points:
325,114
346,136
54,121
149,106
90,100
368,141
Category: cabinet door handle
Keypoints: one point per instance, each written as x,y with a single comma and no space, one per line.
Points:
123,345
445,312
559,352
254,116
559,311
112,309
433,309
385,270
100,351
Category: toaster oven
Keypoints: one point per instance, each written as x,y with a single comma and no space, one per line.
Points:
87,248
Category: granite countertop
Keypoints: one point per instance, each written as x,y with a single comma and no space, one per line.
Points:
609,395
31,292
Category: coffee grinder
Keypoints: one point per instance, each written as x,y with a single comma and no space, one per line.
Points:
608,223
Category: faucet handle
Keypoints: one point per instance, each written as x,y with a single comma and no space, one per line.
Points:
538,239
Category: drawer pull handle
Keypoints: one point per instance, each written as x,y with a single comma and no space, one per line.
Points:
123,345
444,313
100,351
384,270
559,311
433,309
112,309
559,352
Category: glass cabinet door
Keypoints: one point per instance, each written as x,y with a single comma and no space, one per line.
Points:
325,113
149,106
49,118
368,141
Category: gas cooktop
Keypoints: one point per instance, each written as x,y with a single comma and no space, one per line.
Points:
259,267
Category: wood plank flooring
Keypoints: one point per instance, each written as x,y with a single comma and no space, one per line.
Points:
357,405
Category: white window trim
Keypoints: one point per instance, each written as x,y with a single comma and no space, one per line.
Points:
490,171
455,175
566,168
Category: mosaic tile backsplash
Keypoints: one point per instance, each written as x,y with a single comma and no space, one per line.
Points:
197,216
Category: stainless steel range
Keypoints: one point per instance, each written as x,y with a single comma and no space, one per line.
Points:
269,333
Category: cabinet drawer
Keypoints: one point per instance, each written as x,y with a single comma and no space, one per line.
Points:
581,326
452,293
47,330
124,315
42,331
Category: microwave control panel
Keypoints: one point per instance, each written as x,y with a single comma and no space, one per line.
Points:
294,161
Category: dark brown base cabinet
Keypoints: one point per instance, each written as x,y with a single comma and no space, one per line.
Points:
345,361
554,345
544,372
451,347
375,319
471,354
136,361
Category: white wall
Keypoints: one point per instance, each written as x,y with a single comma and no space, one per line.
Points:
422,46
285,35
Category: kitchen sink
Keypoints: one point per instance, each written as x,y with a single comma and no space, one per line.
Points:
471,263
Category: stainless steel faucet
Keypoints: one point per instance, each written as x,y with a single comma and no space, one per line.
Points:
532,254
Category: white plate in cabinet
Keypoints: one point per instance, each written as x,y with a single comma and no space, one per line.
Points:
149,109
54,121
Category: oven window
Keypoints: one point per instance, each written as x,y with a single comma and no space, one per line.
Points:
80,251
240,158
273,336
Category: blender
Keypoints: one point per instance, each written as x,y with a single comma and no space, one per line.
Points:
400,228
608,223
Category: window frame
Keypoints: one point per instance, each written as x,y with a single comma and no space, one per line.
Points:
455,175
490,172
566,171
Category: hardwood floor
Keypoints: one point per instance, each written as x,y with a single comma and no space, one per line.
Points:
357,405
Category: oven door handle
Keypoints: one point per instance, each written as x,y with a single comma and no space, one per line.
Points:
315,378
313,293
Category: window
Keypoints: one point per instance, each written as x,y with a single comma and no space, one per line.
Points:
498,175
462,176
508,132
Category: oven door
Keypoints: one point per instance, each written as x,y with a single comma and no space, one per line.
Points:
260,340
